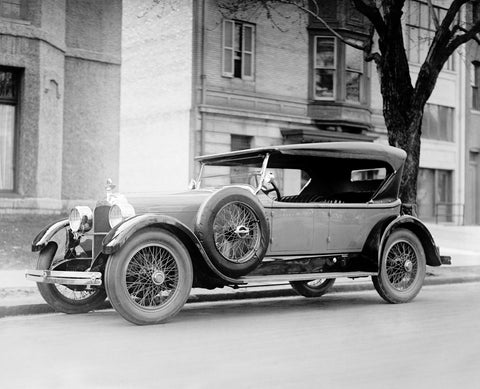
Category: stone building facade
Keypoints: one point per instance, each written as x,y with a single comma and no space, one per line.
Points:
59,101
197,80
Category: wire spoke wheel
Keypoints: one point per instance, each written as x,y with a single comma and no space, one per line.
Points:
236,232
313,288
76,294
402,269
401,265
151,276
149,280
67,298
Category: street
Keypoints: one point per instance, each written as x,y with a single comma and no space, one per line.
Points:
342,340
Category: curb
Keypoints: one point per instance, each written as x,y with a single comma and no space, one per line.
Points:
431,279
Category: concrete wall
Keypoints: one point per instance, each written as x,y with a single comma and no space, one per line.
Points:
156,96
69,56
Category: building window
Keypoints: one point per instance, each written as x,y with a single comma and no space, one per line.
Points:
475,81
10,9
325,67
434,195
8,106
421,30
333,81
353,72
238,49
238,174
438,122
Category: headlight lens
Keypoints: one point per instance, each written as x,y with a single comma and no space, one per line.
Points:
81,219
119,212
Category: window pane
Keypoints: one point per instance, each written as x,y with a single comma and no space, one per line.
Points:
248,38
228,34
247,65
238,37
353,86
413,45
414,14
325,53
424,16
228,61
426,194
324,83
7,128
7,85
354,57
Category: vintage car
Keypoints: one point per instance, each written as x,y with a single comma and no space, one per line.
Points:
304,214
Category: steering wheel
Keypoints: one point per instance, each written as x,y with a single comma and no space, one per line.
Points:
273,188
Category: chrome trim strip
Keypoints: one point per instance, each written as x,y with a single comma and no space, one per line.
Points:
64,277
306,276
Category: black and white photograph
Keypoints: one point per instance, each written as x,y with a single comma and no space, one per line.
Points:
240,194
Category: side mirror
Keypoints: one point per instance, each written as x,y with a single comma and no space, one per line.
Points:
192,185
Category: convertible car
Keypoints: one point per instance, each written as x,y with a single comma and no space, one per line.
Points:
304,214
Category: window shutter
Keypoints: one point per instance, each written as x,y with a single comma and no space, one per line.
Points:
228,44
248,50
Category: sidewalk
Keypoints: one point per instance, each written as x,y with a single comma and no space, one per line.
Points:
20,297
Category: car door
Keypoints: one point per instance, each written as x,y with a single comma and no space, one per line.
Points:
297,228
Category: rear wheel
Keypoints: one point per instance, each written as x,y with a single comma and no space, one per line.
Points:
149,280
314,288
402,269
67,298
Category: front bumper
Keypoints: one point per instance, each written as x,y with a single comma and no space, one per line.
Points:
64,277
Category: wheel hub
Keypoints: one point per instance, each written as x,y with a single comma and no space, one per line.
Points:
242,232
408,266
158,277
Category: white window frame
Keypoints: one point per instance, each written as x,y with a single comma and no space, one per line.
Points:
334,68
361,72
245,75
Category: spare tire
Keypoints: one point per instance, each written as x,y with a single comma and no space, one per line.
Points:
232,227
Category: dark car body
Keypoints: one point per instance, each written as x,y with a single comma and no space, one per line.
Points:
292,213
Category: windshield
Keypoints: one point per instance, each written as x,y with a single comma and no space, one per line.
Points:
215,176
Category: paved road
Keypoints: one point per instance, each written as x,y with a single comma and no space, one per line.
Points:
350,340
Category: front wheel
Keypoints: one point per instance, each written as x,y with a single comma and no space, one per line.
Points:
402,269
149,280
314,288
67,298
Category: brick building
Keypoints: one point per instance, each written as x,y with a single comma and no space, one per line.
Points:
59,101
196,80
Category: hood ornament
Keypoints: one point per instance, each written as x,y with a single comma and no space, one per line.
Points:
109,186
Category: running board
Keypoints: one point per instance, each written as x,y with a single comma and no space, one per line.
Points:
304,276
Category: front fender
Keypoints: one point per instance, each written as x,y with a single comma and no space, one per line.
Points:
44,236
420,230
119,235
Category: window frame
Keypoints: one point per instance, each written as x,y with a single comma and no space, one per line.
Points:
361,73
474,83
15,102
334,68
244,74
450,64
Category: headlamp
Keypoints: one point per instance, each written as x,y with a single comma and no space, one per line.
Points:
80,219
119,212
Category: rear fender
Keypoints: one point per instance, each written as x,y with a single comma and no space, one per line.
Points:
47,233
119,235
420,230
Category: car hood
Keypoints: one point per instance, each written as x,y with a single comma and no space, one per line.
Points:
182,206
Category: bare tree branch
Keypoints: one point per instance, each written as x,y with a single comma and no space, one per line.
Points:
434,15
373,14
305,8
467,35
